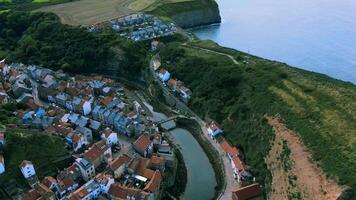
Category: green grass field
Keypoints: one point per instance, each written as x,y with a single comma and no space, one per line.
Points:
45,151
86,12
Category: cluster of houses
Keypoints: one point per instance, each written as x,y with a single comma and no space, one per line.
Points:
90,114
239,169
176,86
141,26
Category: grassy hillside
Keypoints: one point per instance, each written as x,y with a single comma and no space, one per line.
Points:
47,152
40,38
238,96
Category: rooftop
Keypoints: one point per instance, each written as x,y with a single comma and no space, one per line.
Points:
142,142
247,192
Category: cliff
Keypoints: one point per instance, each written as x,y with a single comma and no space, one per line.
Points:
189,14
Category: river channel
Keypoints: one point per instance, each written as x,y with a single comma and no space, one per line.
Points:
201,180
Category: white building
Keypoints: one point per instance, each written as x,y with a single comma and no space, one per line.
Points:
86,168
164,75
27,169
105,181
86,107
110,137
2,164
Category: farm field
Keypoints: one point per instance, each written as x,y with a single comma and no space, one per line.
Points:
88,12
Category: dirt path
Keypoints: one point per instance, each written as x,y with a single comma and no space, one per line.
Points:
311,182
216,52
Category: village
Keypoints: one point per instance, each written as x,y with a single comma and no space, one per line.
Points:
138,27
119,152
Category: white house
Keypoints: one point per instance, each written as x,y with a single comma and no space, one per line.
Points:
105,181
214,130
79,141
185,92
164,75
86,107
2,164
237,167
86,168
27,169
110,137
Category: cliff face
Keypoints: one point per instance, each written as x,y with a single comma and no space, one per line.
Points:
189,14
204,16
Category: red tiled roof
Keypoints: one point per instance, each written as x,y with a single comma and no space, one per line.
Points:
247,192
233,151
44,191
155,160
106,100
81,193
238,163
119,161
103,178
131,114
48,181
142,142
72,168
162,71
172,82
95,151
143,170
77,137
66,183
32,195
122,192
154,182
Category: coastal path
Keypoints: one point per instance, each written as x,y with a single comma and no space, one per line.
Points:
212,51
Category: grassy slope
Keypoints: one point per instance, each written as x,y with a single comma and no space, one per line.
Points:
44,150
322,110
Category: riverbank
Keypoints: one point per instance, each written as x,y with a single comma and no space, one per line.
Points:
215,159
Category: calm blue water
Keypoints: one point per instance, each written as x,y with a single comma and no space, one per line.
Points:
316,35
